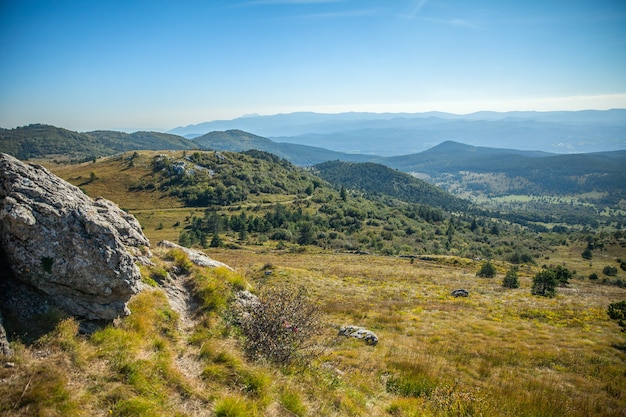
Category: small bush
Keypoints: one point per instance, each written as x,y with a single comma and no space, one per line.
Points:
281,326
617,311
609,271
511,280
593,276
487,270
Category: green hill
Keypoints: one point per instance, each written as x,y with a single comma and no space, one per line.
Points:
238,141
379,179
44,141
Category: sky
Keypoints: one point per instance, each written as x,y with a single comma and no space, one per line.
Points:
89,64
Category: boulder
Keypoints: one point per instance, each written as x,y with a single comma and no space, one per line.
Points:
197,257
460,293
367,336
79,252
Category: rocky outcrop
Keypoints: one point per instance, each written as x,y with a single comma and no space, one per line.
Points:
197,257
77,251
367,336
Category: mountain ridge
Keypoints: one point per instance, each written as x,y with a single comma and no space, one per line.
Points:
393,134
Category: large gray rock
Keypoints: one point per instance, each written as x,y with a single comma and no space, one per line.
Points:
78,251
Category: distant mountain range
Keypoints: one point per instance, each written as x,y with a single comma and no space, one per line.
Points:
393,134
448,164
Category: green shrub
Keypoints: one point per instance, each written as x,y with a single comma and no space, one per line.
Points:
487,270
511,280
617,311
609,271
544,283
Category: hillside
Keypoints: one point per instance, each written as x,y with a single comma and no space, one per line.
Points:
44,141
255,198
379,179
238,140
573,188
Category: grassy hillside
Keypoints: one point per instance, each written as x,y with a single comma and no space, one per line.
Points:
497,352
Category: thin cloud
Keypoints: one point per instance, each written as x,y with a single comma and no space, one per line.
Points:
417,6
458,22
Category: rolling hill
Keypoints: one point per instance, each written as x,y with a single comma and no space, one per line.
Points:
238,141
45,141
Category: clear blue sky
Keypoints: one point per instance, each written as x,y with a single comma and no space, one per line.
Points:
93,64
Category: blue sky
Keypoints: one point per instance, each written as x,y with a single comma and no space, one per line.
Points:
91,64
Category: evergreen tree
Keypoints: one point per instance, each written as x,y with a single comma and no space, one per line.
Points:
216,242
544,283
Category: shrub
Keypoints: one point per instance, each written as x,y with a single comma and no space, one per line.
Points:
544,283
511,280
593,276
280,327
487,270
586,254
617,311
609,271
562,274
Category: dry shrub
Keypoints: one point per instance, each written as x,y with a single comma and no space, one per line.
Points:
281,326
